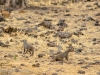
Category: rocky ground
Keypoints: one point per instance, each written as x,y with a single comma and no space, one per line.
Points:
50,29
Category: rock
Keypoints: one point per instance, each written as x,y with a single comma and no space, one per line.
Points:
90,19
94,39
46,24
11,40
17,70
95,3
22,65
81,72
67,10
1,18
44,8
98,5
33,35
54,3
74,41
81,61
9,29
51,44
63,34
3,45
67,15
79,50
13,66
54,74
85,67
40,55
98,73
97,23
77,33
62,23
26,22
88,5
20,52
98,14
36,65
83,28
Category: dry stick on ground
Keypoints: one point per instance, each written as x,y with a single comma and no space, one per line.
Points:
28,48
63,55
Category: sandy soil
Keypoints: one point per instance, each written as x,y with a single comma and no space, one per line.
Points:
76,16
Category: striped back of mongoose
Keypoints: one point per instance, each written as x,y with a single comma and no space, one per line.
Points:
28,48
63,55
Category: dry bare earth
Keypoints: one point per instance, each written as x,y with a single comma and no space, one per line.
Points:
86,58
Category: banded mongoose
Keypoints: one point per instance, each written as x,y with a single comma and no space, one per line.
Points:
28,48
63,55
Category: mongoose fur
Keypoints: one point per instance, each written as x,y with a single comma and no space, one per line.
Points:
28,48
63,55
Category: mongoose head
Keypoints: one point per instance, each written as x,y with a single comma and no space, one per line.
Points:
24,40
71,49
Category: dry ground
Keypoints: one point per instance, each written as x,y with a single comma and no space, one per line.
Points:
87,62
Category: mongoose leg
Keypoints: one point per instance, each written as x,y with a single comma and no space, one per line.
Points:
27,51
32,52
24,50
66,58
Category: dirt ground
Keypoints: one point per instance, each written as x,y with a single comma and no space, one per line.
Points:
82,16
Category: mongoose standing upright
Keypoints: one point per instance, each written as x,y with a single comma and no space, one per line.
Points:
63,55
28,48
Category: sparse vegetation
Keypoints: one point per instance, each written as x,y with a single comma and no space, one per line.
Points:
50,26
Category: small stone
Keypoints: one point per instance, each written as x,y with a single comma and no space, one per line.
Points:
96,3
67,10
20,52
81,61
40,55
81,72
88,5
62,24
51,44
11,40
98,14
96,23
79,50
63,34
36,65
13,66
94,39
5,55
67,15
54,74
89,19
46,24
22,65
98,73
1,18
17,70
